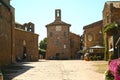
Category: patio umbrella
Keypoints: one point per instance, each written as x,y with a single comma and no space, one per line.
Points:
97,47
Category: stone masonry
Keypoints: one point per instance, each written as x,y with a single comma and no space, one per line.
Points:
26,42
74,45
14,41
6,32
111,14
93,36
58,38
58,43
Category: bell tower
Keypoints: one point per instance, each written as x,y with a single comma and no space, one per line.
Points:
57,15
58,45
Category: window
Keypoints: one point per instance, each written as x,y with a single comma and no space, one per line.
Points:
30,29
26,29
65,34
51,34
57,42
58,28
24,43
71,43
64,46
90,37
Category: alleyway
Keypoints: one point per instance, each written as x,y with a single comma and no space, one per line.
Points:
60,70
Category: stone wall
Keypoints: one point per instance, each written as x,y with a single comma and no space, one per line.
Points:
74,45
58,38
58,42
13,40
26,43
111,14
93,34
6,31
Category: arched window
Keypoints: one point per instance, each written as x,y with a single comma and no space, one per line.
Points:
58,13
24,43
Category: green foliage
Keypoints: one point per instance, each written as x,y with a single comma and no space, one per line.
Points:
105,44
108,75
111,56
110,26
42,51
43,44
119,70
95,57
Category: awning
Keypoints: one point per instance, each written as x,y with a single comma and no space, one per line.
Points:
97,47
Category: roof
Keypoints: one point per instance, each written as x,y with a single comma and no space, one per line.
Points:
92,24
71,33
115,4
17,23
58,23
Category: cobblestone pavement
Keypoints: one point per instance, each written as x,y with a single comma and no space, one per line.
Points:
60,70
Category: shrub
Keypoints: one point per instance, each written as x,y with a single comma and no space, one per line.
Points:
114,70
108,75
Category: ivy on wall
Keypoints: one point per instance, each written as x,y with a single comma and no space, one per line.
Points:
110,26
105,44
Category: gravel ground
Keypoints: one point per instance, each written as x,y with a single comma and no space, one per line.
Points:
60,70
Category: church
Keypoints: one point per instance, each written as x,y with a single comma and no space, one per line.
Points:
60,42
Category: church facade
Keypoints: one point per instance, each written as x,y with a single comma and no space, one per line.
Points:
58,38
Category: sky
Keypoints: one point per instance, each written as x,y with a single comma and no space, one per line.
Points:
78,13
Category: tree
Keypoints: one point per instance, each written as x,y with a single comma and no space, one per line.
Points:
43,44
43,47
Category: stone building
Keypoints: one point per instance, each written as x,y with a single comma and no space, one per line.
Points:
93,38
75,46
111,23
58,38
26,42
13,40
6,32
58,43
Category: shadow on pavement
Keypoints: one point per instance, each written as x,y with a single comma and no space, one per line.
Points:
13,70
